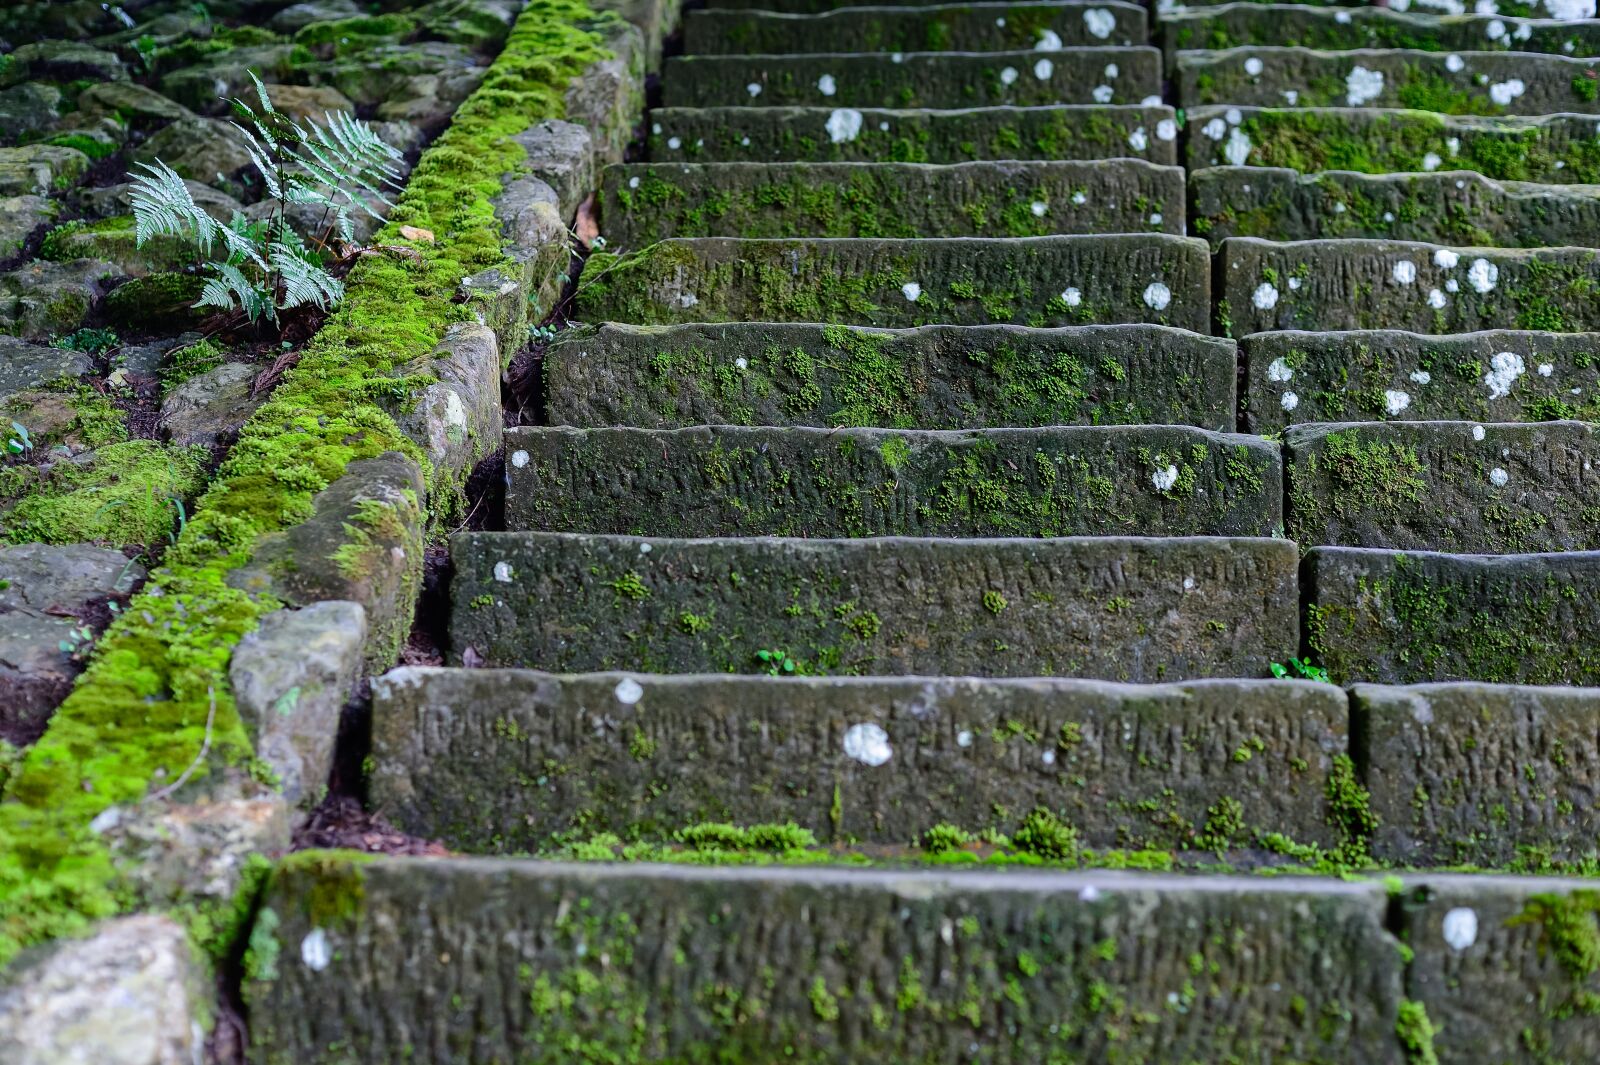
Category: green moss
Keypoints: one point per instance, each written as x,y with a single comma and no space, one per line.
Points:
191,360
943,838
1415,1033
142,707
125,496
1045,835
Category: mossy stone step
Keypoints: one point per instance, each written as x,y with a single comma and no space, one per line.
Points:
691,964
1235,25
1392,284
1458,83
1559,149
1448,206
1404,617
1444,486
1036,281
935,377
1480,774
916,79
986,27
847,134
1158,480
453,750
644,203
1561,10
1495,376
1110,608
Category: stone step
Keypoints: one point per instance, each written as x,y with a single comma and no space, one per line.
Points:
1399,617
1113,608
981,27
1495,376
1559,149
1392,284
1234,25
454,751
935,377
395,958
916,79
1448,206
1479,774
1444,486
1035,281
1159,480
644,203
1559,10
1481,83
846,134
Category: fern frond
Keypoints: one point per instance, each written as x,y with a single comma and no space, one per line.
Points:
261,92
304,280
162,206
232,290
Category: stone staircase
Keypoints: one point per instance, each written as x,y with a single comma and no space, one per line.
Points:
941,477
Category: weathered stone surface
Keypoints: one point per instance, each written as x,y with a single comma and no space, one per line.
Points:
209,408
918,79
1396,617
1558,149
61,61
1143,480
1109,608
43,298
935,377
941,28
454,753
29,108
195,854
1448,207
1393,284
456,419
641,204
20,218
139,107
867,135
1469,83
608,97
1560,10
1479,774
25,366
561,154
530,216
656,20
40,169
1036,281
1445,486
362,543
133,992
298,16
1495,376
162,302
208,150
291,678
1337,28
864,964
1504,965
105,201
308,102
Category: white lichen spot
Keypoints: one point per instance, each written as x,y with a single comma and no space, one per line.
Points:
1166,130
1233,115
1039,208
1103,93
1445,259
1265,297
1404,272
1138,140
897,57
1049,756
1477,432
1362,85
1008,75
1253,67
644,549
1294,284
655,127
1043,69
1395,401
687,300
1088,893
1072,297
1431,162
1504,369
1079,198
1291,96
754,88
1216,129
1454,63
502,572
1546,369
1453,146
844,125
1503,92
1111,72
1237,150
1157,296
1049,41
1099,22
1155,219
519,458
741,363
1452,285
1483,275
1289,401
911,291
1495,30
1151,101
964,738
826,85
674,143
1342,18
633,183
868,744
1498,477
1188,584
314,950
1165,478
1421,377
628,691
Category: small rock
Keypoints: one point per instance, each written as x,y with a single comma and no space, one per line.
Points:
133,992
50,420
196,852
457,420
562,155
307,102
209,408
25,366
156,303
291,678
142,108
31,106
207,150
62,61
298,16
144,360
42,298
107,201
40,169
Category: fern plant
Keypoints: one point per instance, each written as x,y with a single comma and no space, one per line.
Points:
340,165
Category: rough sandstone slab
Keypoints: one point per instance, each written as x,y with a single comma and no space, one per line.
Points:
644,203
1161,480
1234,24
1558,149
915,79
1445,486
1500,375
934,377
1109,608
1461,83
869,135
863,964
1395,617
1448,207
1476,774
1035,281
454,751
1393,284
939,28
1504,965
